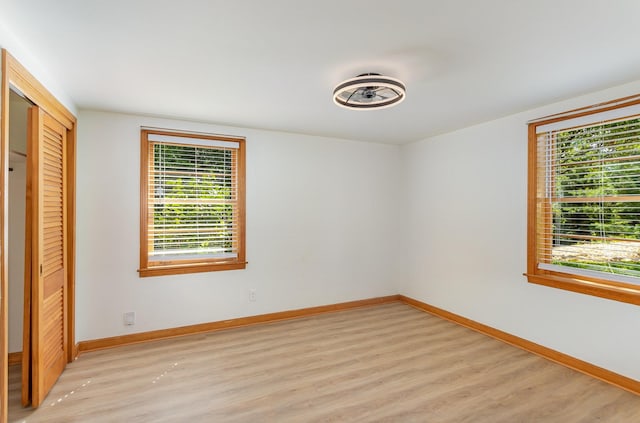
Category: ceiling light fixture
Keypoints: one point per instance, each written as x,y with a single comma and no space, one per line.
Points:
369,91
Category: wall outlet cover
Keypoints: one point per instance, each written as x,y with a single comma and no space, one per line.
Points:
129,318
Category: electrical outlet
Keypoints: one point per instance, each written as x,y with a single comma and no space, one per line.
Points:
129,318
252,295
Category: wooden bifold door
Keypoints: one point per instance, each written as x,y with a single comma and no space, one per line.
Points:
45,327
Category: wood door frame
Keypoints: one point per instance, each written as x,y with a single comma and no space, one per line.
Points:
16,76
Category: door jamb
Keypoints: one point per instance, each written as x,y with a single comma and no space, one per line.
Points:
15,75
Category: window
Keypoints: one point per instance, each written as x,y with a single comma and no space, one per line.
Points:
584,201
192,203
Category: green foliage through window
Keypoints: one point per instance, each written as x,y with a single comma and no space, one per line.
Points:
192,197
593,186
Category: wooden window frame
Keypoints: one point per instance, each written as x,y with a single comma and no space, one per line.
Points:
185,266
599,287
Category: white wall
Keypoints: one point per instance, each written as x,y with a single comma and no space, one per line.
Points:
466,219
17,192
18,108
9,42
320,229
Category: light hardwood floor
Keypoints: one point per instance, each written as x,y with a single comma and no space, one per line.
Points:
384,363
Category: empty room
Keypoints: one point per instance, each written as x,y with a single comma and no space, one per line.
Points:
344,211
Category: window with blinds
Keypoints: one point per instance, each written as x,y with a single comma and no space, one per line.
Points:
584,194
192,203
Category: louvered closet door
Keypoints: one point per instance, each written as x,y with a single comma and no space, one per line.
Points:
48,293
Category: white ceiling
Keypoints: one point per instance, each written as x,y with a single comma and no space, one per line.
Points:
273,64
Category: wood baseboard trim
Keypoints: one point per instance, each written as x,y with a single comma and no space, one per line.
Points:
589,369
15,358
136,338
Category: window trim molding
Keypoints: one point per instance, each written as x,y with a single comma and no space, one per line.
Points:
603,288
180,267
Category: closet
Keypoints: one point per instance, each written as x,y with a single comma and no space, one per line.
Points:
38,223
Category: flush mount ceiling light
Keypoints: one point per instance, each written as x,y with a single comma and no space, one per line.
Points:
369,91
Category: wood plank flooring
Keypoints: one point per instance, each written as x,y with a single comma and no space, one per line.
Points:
388,363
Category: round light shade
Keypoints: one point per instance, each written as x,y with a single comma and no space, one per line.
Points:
369,91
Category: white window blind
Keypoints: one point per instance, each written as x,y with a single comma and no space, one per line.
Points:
192,199
588,195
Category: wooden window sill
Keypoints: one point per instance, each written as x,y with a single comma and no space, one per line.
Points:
178,269
611,290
